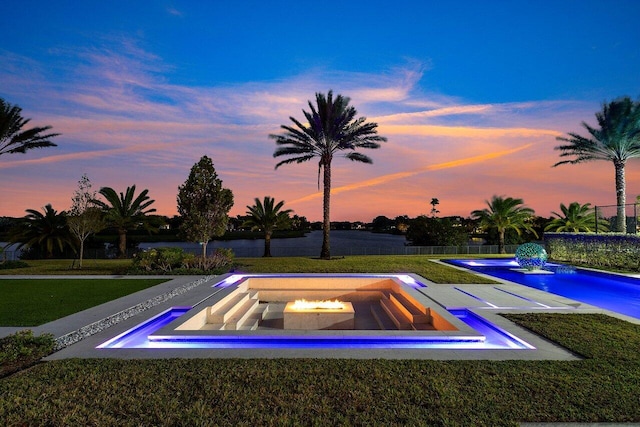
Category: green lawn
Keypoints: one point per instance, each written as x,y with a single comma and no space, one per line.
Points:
604,387
32,302
64,266
418,264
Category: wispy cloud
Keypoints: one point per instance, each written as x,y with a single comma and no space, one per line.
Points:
406,174
173,11
117,105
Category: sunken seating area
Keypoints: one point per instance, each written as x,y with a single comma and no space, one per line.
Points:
265,303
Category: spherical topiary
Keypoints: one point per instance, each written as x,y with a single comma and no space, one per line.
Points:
531,256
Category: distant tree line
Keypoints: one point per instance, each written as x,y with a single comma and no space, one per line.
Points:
331,127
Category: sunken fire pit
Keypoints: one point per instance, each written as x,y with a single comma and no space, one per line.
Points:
317,315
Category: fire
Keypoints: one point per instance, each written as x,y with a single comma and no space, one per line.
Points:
302,304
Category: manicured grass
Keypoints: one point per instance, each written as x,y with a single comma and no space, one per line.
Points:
64,266
32,302
603,388
418,264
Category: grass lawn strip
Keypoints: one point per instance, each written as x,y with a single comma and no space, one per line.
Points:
32,302
418,264
64,267
605,387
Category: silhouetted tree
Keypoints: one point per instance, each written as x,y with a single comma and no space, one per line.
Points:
204,204
84,217
331,127
39,231
124,212
429,231
267,217
434,202
505,214
576,218
616,139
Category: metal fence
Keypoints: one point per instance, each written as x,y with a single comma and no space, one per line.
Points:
307,251
609,213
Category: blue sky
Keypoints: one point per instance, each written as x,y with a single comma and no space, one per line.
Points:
470,95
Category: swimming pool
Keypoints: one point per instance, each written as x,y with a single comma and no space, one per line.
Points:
613,292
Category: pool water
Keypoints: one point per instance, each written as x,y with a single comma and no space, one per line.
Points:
614,292
139,337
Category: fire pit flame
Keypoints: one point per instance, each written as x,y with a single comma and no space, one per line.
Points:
302,304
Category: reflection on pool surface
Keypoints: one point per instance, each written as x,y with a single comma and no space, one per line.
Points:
609,291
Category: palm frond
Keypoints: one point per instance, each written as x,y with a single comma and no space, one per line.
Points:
357,157
15,140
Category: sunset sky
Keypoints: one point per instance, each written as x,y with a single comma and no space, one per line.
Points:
471,96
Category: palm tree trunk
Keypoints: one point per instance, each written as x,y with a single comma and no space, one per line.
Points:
267,245
325,253
621,221
122,242
501,248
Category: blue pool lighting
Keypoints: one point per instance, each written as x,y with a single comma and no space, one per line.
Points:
140,336
615,292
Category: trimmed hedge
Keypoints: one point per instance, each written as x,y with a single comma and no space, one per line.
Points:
611,250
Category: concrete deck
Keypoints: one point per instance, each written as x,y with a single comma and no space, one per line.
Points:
487,300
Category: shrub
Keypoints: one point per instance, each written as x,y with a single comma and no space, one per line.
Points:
220,259
6,265
23,349
177,261
163,259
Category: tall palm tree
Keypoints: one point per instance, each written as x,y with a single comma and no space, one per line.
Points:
434,203
15,140
267,217
576,218
616,139
504,214
331,127
123,212
42,231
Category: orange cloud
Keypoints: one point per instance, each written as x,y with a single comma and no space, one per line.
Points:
84,155
464,131
400,175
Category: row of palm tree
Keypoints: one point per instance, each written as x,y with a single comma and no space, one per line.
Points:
50,230
616,139
332,127
508,213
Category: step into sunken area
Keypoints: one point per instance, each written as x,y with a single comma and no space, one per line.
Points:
377,306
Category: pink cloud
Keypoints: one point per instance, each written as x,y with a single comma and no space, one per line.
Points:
124,123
